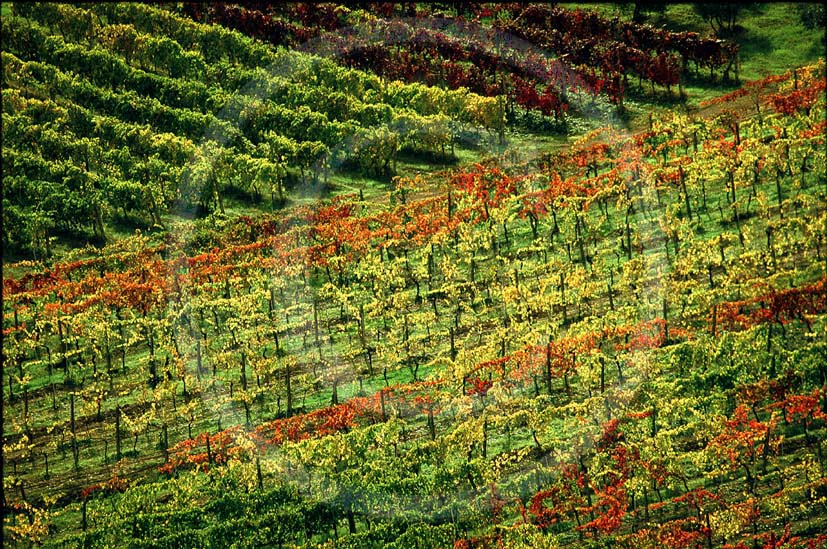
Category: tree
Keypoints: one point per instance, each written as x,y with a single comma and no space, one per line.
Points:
642,9
722,16
813,16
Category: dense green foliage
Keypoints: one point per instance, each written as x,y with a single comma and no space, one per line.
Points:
126,123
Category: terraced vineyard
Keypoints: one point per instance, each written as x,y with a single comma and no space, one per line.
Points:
257,297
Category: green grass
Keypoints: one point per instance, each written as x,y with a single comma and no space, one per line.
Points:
772,40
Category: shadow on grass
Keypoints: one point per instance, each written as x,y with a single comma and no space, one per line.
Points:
247,198
11,255
419,157
128,223
753,43
661,97
817,50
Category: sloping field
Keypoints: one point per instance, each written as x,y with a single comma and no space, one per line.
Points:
414,294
